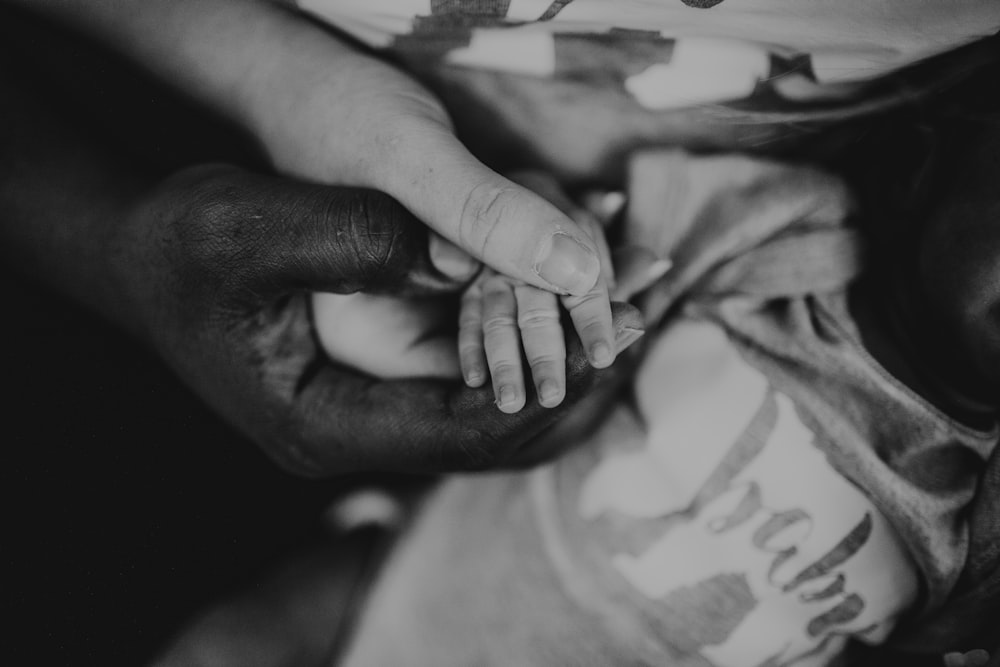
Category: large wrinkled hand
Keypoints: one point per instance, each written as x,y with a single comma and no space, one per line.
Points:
216,266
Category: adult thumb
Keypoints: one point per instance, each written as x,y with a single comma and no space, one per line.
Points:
503,224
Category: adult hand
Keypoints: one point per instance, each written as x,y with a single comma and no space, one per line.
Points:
215,267
212,270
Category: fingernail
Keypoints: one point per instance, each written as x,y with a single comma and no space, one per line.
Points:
507,397
549,392
600,355
474,378
452,261
568,265
626,337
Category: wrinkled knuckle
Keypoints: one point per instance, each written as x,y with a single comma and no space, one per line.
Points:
537,318
546,358
590,300
485,208
370,213
469,351
499,323
218,234
376,237
497,285
592,328
502,370
594,298
470,321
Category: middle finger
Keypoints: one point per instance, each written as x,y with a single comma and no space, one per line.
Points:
502,342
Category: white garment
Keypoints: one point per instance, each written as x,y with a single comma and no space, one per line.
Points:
710,50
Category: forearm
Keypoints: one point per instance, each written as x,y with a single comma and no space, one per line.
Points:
61,195
255,62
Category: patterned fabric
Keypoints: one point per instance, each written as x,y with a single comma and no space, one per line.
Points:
771,491
765,492
712,515
672,53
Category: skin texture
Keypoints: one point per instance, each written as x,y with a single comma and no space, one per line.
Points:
324,112
72,227
210,268
499,319
227,310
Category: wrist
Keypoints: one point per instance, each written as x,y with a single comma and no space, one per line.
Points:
301,100
223,54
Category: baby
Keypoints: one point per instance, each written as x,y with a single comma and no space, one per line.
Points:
792,468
